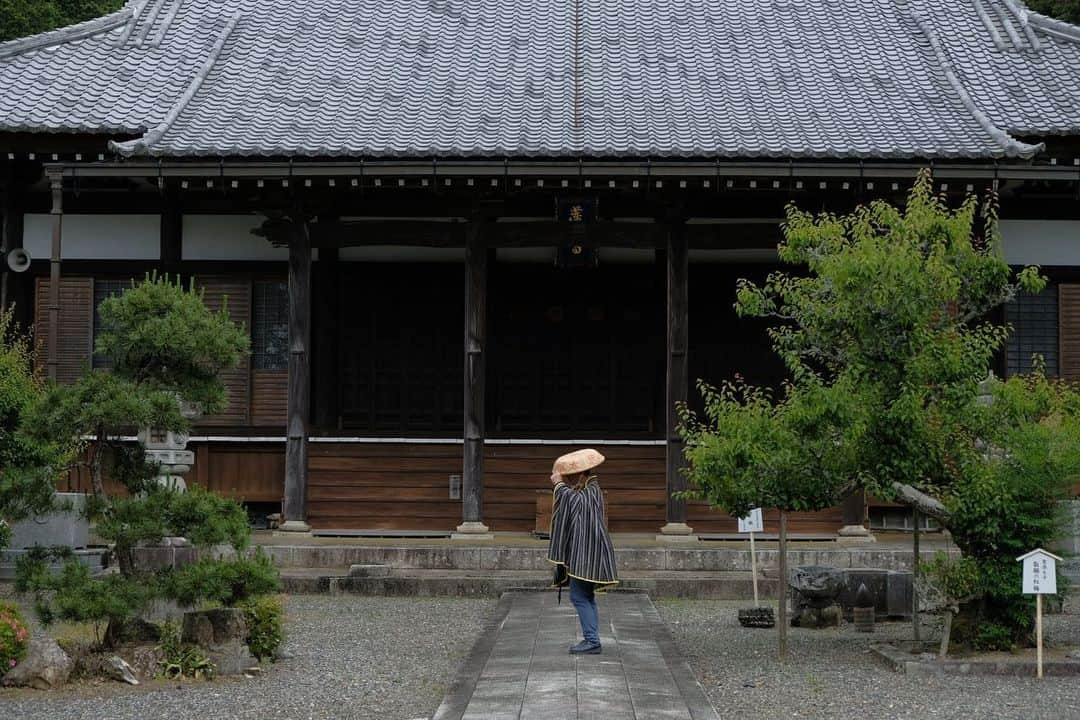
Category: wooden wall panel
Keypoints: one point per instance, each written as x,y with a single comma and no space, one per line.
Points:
251,472
234,294
1069,330
76,326
269,397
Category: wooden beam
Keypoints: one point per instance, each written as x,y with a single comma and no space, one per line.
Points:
677,379
294,504
437,233
472,480
52,361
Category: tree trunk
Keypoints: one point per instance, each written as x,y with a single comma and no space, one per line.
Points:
96,460
946,631
781,602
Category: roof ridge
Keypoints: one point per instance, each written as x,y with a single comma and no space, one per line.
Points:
1052,26
988,22
1021,16
1011,146
166,24
79,31
133,147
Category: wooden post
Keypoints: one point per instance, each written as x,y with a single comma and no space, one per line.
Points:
171,247
472,480
915,577
294,504
52,357
325,324
853,513
1038,636
676,529
782,593
753,568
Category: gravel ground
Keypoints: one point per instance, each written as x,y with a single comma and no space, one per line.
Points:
831,674
354,658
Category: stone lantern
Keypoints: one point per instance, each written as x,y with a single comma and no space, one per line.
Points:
169,450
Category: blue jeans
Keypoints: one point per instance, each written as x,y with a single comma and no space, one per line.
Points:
584,600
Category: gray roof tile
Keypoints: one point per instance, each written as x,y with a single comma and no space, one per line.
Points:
659,78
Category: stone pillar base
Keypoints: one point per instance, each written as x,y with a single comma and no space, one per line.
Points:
854,535
677,533
472,531
293,526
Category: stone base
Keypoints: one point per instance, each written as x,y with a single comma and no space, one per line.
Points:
854,535
294,526
472,531
677,533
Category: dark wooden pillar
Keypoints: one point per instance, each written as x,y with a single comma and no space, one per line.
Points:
52,360
677,381
172,228
472,479
294,504
326,301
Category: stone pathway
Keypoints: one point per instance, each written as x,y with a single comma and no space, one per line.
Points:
520,669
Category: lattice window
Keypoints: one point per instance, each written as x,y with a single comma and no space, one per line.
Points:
1034,319
270,326
104,289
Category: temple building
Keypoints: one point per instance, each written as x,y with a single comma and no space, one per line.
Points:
467,237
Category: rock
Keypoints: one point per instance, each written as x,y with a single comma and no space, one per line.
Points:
118,669
45,666
818,582
132,630
810,616
282,654
222,634
206,628
1074,654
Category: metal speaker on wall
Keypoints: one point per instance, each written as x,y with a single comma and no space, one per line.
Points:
17,260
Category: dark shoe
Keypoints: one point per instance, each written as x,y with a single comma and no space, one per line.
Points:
585,648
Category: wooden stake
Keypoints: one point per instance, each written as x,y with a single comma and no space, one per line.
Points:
753,567
915,578
781,622
1038,635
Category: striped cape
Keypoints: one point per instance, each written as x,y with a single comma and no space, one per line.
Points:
579,539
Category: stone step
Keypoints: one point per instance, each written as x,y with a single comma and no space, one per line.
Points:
699,558
474,583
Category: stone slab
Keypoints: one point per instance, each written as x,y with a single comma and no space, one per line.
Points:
520,667
904,662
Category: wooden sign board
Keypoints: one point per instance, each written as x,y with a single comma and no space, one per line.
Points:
752,523
1040,572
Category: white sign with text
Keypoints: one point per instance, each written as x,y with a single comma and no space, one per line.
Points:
752,523
1040,572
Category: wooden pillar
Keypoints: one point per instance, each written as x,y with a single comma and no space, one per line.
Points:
326,301
294,504
472,479
172,228
56,185
678,382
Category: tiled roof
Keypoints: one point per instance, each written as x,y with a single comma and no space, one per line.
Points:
555,78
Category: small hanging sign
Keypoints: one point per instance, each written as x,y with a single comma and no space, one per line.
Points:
752,523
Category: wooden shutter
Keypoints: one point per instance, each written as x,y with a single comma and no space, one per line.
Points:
269,397
76,326
1069,331
235,295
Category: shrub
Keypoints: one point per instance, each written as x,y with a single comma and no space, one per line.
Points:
229,582
180,659
266,631
14,637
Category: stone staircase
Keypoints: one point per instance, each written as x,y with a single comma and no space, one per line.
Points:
715,573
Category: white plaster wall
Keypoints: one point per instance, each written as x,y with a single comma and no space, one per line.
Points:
1041,242
227,237
95,237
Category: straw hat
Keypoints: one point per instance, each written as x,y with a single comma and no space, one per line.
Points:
578,462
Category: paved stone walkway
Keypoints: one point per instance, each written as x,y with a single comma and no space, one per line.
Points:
520,668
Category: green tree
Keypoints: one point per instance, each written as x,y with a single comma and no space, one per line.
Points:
20,18
165,349
1067,10
29,467
888,314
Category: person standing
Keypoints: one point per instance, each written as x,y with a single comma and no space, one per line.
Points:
580,547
